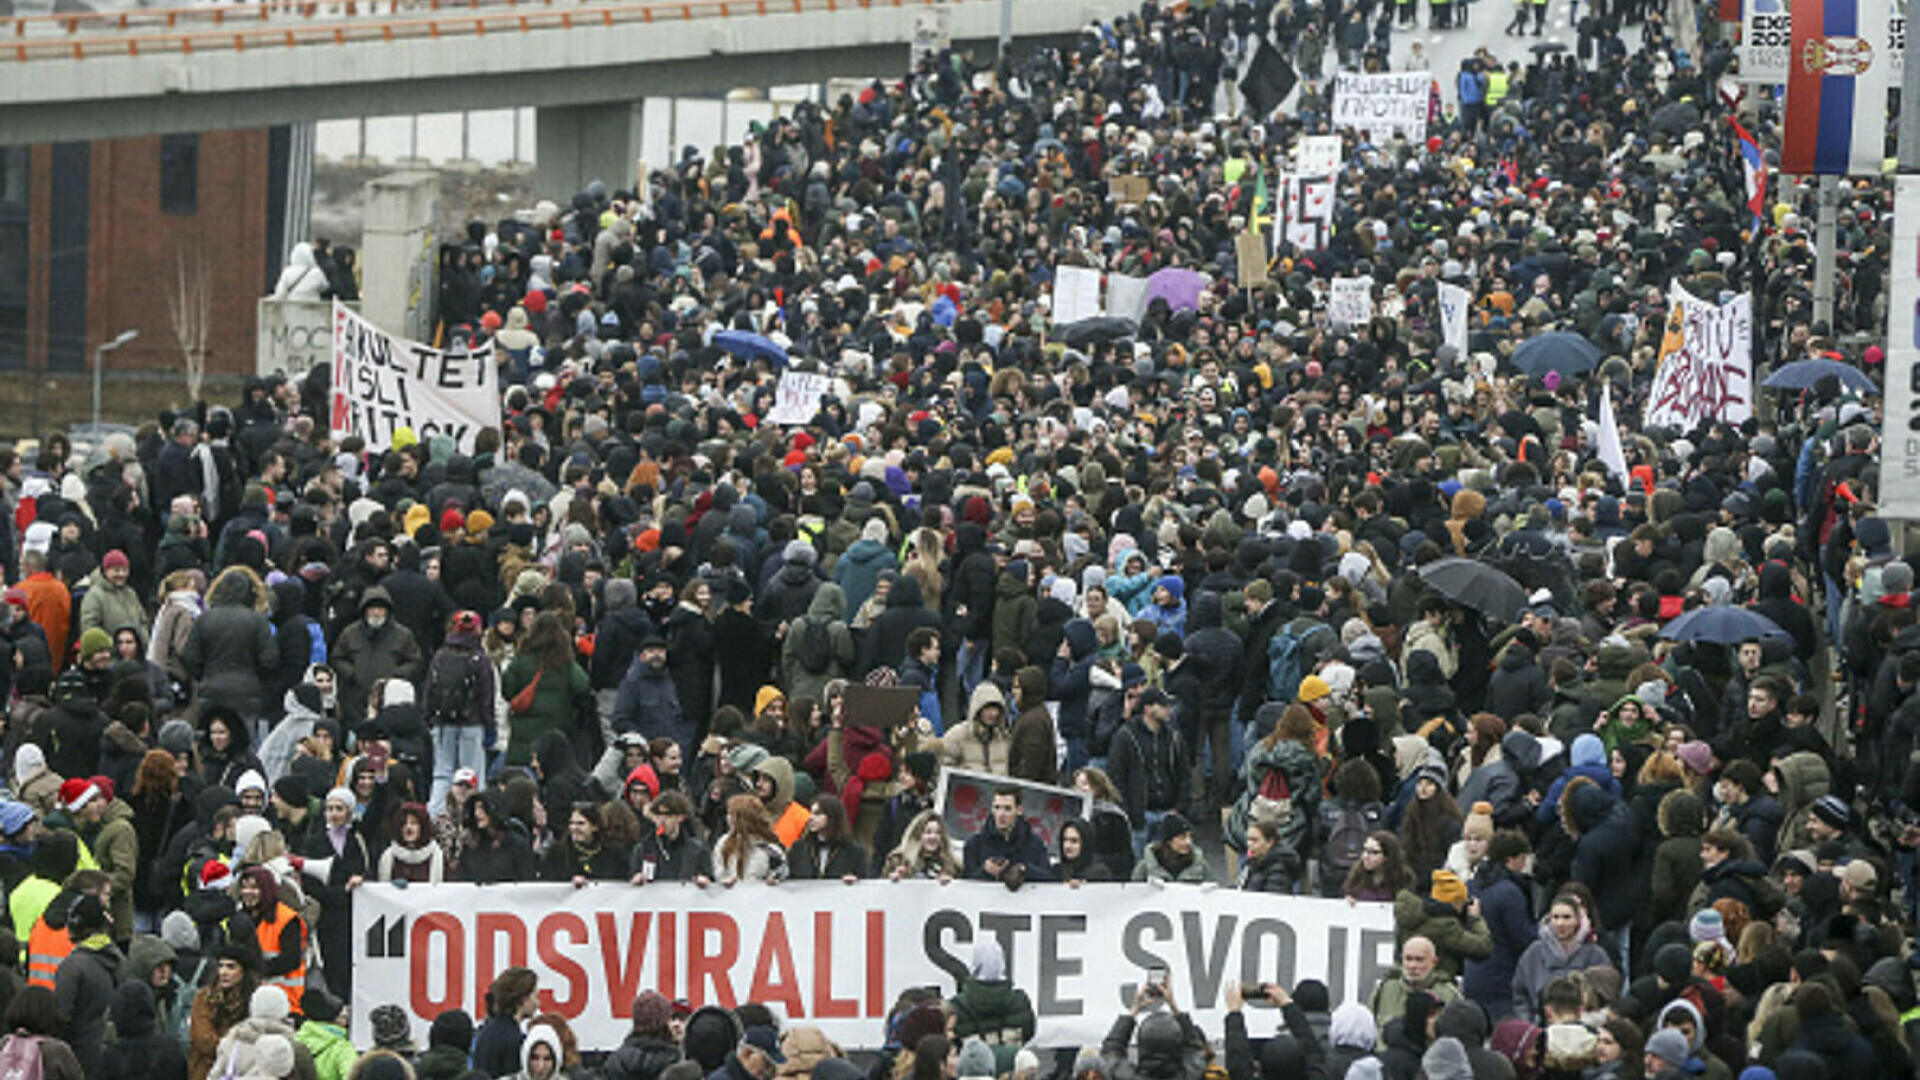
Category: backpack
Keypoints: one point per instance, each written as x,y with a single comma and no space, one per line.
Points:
1346,826
1291,653
452,683
1274,802
20,1058
815,652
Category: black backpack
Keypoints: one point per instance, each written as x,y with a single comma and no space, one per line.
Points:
816,644
452,681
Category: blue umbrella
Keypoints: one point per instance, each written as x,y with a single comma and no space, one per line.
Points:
1802,374
752,346
1568,354
1720,624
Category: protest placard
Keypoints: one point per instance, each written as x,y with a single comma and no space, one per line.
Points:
1317,155
1126,296
382,383
1384,104
797,397
836,956
1250,248
1076,294
1706,363
1454,302
1130,190
966,797
1350,301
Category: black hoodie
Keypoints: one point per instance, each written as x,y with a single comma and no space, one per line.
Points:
138,1051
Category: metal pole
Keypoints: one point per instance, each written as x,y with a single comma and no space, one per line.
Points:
99,360
1827,267
1006,31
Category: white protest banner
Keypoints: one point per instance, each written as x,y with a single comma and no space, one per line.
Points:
1392,103
1350,301
1454,302
837,956
1317,155
797,397
1126,296
1305,212
1900,438
1076,294
1706,363
382,383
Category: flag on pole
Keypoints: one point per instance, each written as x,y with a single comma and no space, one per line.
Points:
1268,81
1837,80
1256,222
1753,167
1607,440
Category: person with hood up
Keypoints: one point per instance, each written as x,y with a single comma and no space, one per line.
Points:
373,648
860,566
1518,684
818,647
1565,945
1588,758
1006,850
1213,660
325,1036
790,593
33,782
1071,684
1168,607
142,1048
1014,606
449,1045
982,742
1684,1016
230,654
988,1007
303,707
1502,778
1466,1021
773,783
1602,829
886,637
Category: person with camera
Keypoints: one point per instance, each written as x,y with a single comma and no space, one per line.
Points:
1167,1045
1294,1053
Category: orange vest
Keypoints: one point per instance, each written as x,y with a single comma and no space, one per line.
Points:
792,823
46,947
293,983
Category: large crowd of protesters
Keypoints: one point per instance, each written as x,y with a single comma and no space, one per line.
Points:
251,668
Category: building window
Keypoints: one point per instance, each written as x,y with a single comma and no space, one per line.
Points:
180,174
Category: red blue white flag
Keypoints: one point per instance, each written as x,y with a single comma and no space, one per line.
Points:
1837,81
1754,168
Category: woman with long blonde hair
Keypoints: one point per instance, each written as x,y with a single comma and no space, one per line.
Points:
750,850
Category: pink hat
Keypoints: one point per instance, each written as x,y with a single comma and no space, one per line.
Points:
112,559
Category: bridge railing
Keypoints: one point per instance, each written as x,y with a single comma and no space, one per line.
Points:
309,23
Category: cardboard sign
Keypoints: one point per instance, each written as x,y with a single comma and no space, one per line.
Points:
797,398
1130,190
1251,250
382,383
883,707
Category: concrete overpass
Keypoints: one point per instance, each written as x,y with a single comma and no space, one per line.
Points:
585,64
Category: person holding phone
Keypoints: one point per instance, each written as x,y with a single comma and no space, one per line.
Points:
1166,1045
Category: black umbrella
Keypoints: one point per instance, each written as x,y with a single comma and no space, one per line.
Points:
1568,354
1676,119
1547,48
1486,589
1094,331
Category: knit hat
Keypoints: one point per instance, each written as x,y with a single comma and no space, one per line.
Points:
1695,755
1313,688
1448,888
1828,808
645,776
1707,925
451,520
115,559
1673,963
14,816
177,930
976,1058
76,793
269,1002
391,1029
318,1005
94,642
651,1011
1669,1046
1479,823
292,790
452,1028
176,737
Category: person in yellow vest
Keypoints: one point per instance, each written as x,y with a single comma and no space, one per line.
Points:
279,931
54,860
1498,84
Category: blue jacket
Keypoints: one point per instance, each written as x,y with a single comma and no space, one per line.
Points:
1473,88
1070,682
1589,758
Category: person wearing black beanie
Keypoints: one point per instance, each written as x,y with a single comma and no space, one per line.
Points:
449,1041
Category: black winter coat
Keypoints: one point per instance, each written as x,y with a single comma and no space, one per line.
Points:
1604,853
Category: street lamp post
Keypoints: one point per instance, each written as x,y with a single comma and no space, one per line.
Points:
100,361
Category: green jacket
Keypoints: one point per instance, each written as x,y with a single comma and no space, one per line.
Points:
998,1012
333,1055
553,704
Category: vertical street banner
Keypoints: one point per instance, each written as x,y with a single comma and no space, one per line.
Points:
1706,363
1304,213
1394,103
1454,302
1766,40
1838,72
1900,438
382,383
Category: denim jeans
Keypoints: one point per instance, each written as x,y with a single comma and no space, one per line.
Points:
1143,832
456,746
970,667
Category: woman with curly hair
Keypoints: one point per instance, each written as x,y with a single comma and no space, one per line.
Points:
219,1006
1382,870
415,854
925,851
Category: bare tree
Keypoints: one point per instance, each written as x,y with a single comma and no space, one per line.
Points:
190,307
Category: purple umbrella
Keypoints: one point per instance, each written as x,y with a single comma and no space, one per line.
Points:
1179,286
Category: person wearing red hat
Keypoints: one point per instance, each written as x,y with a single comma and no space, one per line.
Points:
110,603
452,523
103,827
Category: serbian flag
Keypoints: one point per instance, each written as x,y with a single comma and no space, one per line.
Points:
1754,166
1837,89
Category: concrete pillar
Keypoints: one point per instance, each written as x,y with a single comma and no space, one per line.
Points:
400,254
577,144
